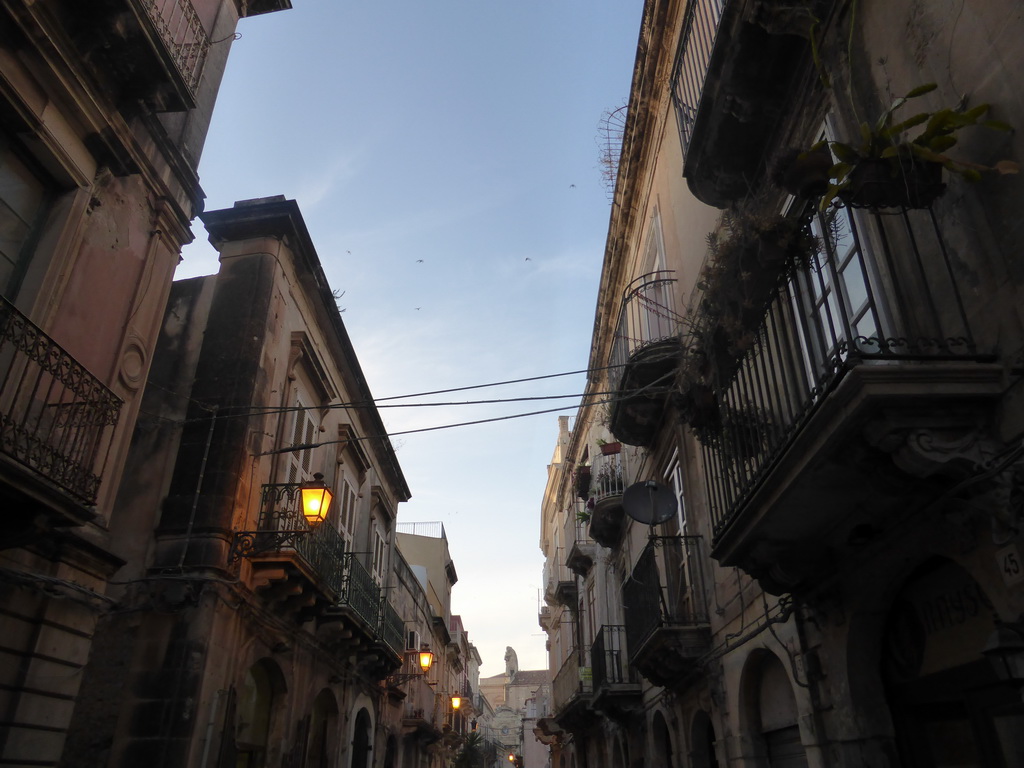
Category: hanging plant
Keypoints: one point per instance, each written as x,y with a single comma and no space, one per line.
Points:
888,169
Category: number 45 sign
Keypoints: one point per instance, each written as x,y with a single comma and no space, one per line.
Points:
1010,564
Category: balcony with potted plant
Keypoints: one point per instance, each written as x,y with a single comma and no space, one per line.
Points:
607,518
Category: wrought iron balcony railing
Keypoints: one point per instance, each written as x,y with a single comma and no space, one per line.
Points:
882,293
648,316
696,41
665,590
359,592
610,661
392,629
181,31
606,476
56,418
282,529
573,681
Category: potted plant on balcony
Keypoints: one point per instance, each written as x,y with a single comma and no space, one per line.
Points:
748,256
888,169
607,448
582,480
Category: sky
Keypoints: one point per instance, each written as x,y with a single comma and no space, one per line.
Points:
445,157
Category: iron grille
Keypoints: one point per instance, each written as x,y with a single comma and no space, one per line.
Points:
883,291
359,591
283,528
573,680
181,31
648,316
696,42
56,418
666,589
608,655
392,629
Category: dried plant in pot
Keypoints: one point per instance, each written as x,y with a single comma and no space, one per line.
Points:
748,256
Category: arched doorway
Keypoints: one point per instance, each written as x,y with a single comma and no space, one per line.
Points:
361,737
947,705
262,685
702,740
323,725
662,742
771,712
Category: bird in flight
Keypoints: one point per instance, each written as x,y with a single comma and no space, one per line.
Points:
419,261
572,186
528,258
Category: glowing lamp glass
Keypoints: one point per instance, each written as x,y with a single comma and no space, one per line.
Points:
426,659
456,702
316,500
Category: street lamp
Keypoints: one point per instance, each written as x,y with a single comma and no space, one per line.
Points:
424,657
316,500
456,702
284,527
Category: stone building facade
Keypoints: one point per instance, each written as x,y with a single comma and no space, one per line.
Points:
104,109
791,534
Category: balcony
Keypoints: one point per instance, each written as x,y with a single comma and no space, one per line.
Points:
582,549
390,637
57,423
153,50
559,582
735,65
571,692
607,518
646,352
863,397
616,683
294,568
666,614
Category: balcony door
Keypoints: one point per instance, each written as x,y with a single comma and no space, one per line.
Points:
838,296
24,199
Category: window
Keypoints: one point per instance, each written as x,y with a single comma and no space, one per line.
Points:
379,557
675,479
23,201
303,431
345,507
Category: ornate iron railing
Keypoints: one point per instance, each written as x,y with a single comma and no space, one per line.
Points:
693,56
180,29
608,655
666,589
576,529
392,629
56,418
573,680
281,527
882,291
359,591
648,316
606,476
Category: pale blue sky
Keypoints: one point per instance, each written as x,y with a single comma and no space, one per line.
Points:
464,134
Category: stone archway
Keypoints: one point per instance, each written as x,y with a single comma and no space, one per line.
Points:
947,705
262,688
323,728
770,713
702,741
664,754
362,735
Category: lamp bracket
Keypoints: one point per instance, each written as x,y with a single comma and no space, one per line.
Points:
256,543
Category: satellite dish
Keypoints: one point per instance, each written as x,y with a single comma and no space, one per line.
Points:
649,502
